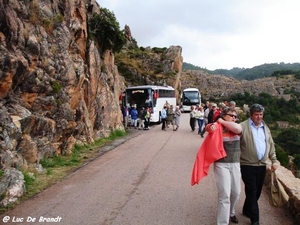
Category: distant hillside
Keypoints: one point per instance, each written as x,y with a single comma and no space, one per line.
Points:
213,86
188,66
265,70
256,72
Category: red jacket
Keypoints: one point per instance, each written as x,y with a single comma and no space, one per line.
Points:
216,114
211,150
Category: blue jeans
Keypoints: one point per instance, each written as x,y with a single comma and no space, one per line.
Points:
200,125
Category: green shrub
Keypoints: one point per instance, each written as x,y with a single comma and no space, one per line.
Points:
78,152
297,161
163,57
29,180
282,156
105,29
116,134
56,86
289,140
58,18
47,22
159,50
58,102
171,74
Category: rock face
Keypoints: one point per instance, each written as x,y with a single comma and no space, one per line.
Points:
55,88
127,33
13,185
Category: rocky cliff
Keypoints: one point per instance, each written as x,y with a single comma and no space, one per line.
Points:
55,88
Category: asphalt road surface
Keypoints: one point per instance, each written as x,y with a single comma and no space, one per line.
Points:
144,181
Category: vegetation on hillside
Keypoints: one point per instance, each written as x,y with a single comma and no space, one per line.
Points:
137,65
289,140
265,70
281,73
105,29
141,65
189,66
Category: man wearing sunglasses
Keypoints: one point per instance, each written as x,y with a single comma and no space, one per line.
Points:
257,146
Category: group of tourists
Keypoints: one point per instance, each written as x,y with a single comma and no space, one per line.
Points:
202,115
170,116
139,119
239,152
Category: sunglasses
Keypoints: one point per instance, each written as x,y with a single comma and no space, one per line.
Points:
231,115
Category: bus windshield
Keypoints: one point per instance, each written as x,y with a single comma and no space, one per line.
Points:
140,97
190,96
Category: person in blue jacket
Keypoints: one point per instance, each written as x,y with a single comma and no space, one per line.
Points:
164,117
134,116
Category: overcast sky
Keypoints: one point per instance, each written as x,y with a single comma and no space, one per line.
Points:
215,34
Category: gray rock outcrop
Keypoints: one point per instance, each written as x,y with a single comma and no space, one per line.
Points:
12,186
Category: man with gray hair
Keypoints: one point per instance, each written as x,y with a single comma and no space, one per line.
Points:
232,104
257,146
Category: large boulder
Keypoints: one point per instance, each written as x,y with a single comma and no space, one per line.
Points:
12,186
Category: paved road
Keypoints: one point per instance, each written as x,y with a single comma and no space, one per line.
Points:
144,181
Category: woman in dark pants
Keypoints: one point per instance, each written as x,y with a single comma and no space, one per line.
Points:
192,118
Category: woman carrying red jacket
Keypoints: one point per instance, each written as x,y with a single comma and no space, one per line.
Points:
227,170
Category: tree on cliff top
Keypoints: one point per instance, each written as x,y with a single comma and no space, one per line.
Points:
105,28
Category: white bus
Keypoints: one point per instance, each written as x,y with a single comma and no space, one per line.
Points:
189,97
152,96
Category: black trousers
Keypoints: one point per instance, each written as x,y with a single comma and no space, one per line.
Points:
147,122
164,121
253,178
192,123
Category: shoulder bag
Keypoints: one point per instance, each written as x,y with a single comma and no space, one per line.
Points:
279,197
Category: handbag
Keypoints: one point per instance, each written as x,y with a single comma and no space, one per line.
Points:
279,197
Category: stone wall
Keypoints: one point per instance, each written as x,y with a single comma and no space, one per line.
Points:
292,187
